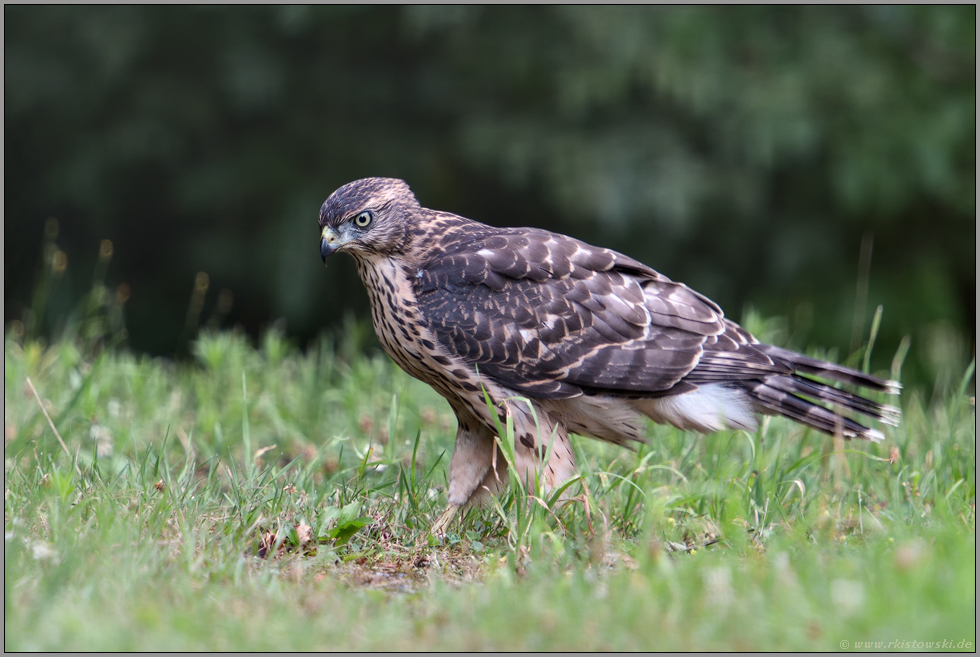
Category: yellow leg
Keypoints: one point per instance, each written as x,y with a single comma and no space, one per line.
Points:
444,520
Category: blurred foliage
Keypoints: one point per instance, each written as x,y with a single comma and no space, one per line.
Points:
815,161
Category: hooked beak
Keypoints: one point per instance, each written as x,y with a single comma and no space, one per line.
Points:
329,243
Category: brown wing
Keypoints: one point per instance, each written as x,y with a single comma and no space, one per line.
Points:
551,316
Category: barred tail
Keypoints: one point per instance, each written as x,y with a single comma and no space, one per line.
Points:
791,395
832,371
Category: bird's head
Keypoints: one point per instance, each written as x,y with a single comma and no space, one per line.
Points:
367,217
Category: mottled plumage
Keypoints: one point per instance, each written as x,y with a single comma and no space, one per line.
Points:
593,338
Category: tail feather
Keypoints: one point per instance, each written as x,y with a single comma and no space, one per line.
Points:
842,398
773,381
769,398
832,371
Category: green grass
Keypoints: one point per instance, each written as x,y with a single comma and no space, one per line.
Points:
264,499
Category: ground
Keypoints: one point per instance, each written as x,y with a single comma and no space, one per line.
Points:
263,498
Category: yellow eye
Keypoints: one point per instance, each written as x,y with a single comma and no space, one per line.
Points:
363,220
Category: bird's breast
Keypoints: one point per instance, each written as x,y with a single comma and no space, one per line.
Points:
398,322
404,332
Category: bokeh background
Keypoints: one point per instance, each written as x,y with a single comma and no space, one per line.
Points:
164,166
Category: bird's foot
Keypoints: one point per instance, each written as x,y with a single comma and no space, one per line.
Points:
443,521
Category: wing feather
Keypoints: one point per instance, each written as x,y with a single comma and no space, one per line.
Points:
549,315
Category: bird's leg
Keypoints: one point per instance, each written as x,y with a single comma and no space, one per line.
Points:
474,472
536,437
442,523
472,459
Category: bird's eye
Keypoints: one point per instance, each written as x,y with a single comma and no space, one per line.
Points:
363,220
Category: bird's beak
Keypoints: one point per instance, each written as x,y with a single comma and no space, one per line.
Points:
329,243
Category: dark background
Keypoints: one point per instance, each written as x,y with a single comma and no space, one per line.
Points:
811,163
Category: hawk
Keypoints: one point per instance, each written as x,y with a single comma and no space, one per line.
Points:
564,337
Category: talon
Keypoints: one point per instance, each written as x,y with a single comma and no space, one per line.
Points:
443,521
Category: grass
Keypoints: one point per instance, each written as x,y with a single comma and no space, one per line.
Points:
267,499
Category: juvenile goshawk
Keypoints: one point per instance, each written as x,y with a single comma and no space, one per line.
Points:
594,339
